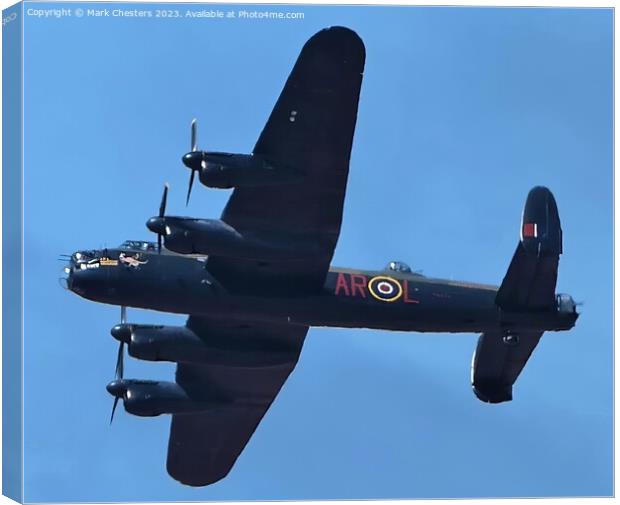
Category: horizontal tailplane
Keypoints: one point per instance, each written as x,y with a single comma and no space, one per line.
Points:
498,361
529,286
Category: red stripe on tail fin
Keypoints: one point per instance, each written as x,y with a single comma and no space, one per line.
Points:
530,230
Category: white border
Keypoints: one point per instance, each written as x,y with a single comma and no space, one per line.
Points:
479,3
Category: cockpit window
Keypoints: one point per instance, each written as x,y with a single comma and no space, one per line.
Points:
399,266
139,245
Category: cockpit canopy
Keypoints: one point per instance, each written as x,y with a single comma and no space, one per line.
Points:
402,268
398,266
139,245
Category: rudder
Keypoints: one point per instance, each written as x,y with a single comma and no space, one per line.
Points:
530,281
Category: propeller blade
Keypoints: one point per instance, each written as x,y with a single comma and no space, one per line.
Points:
120,361
164,200
194,134
162,212
113,409
120,358
189,189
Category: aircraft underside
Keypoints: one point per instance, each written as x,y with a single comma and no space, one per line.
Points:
254,281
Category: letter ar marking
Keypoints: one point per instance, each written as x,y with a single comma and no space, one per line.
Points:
406,298
342,285
358,283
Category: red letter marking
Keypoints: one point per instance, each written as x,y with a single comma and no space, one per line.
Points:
341,284
358,283
406,294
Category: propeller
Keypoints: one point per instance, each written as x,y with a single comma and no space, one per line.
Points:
118,389
193,159
162,213
158,224
121,346
122,333
194,128
114,408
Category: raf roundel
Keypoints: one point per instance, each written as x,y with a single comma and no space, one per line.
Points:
385,289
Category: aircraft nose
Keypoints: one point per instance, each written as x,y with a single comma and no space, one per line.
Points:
89,275
68,279
157,225
65,279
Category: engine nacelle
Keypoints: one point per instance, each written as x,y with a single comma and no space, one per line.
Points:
152,398
180,344
224,170
166,343
186,235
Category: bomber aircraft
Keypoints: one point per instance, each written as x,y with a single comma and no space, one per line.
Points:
255,280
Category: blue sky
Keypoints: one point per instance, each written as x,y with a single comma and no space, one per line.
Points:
462,111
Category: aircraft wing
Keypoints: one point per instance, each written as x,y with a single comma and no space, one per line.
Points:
310,130
204,446
498,361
